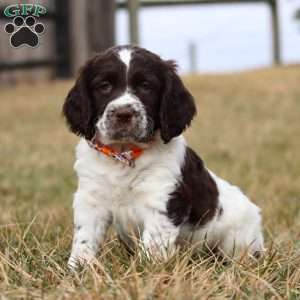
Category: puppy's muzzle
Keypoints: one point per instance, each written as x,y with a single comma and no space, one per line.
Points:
126,122
123,116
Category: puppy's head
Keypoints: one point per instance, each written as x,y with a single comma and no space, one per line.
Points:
126,94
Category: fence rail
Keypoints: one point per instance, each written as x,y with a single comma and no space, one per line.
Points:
154,3
133,8
60,17
30,64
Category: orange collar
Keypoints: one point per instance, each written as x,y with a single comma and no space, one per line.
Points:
126,157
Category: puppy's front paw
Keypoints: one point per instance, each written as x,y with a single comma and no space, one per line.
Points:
80,259
73,263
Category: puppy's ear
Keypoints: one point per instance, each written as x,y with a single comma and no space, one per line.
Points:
77,108
177,107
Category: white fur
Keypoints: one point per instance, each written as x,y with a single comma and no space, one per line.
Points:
125,56
135,199
240,222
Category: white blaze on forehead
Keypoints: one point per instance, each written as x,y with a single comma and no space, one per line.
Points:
125,56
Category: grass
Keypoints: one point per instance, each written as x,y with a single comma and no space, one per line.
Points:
247,131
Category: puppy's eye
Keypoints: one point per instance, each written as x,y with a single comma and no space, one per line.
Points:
145,86
105,86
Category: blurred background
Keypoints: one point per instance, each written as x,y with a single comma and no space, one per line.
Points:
205,36
241,61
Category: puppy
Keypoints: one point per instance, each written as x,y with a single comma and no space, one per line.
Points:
134,168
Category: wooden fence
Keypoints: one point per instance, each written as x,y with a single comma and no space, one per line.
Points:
77,28
134,5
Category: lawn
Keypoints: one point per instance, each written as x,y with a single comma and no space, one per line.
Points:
247,130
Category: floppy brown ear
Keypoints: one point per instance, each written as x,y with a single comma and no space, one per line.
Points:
177,107
77,108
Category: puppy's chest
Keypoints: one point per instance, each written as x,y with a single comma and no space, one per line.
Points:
131,196
130,188
129,193
124,188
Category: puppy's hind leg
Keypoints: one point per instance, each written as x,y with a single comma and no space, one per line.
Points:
248,240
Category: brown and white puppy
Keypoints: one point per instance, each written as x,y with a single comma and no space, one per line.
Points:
128,98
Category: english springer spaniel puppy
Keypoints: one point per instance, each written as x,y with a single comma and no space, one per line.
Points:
135,170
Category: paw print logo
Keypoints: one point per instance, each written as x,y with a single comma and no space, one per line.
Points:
24,31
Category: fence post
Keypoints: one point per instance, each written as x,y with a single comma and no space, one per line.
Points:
101,24
78,30
275,32
133,9
193,57
62,38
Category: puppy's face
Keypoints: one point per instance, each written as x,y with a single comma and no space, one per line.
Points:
127,90
126,94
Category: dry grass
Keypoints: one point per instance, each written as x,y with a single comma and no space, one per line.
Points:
247,131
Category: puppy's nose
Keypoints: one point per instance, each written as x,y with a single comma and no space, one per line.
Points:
124,114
